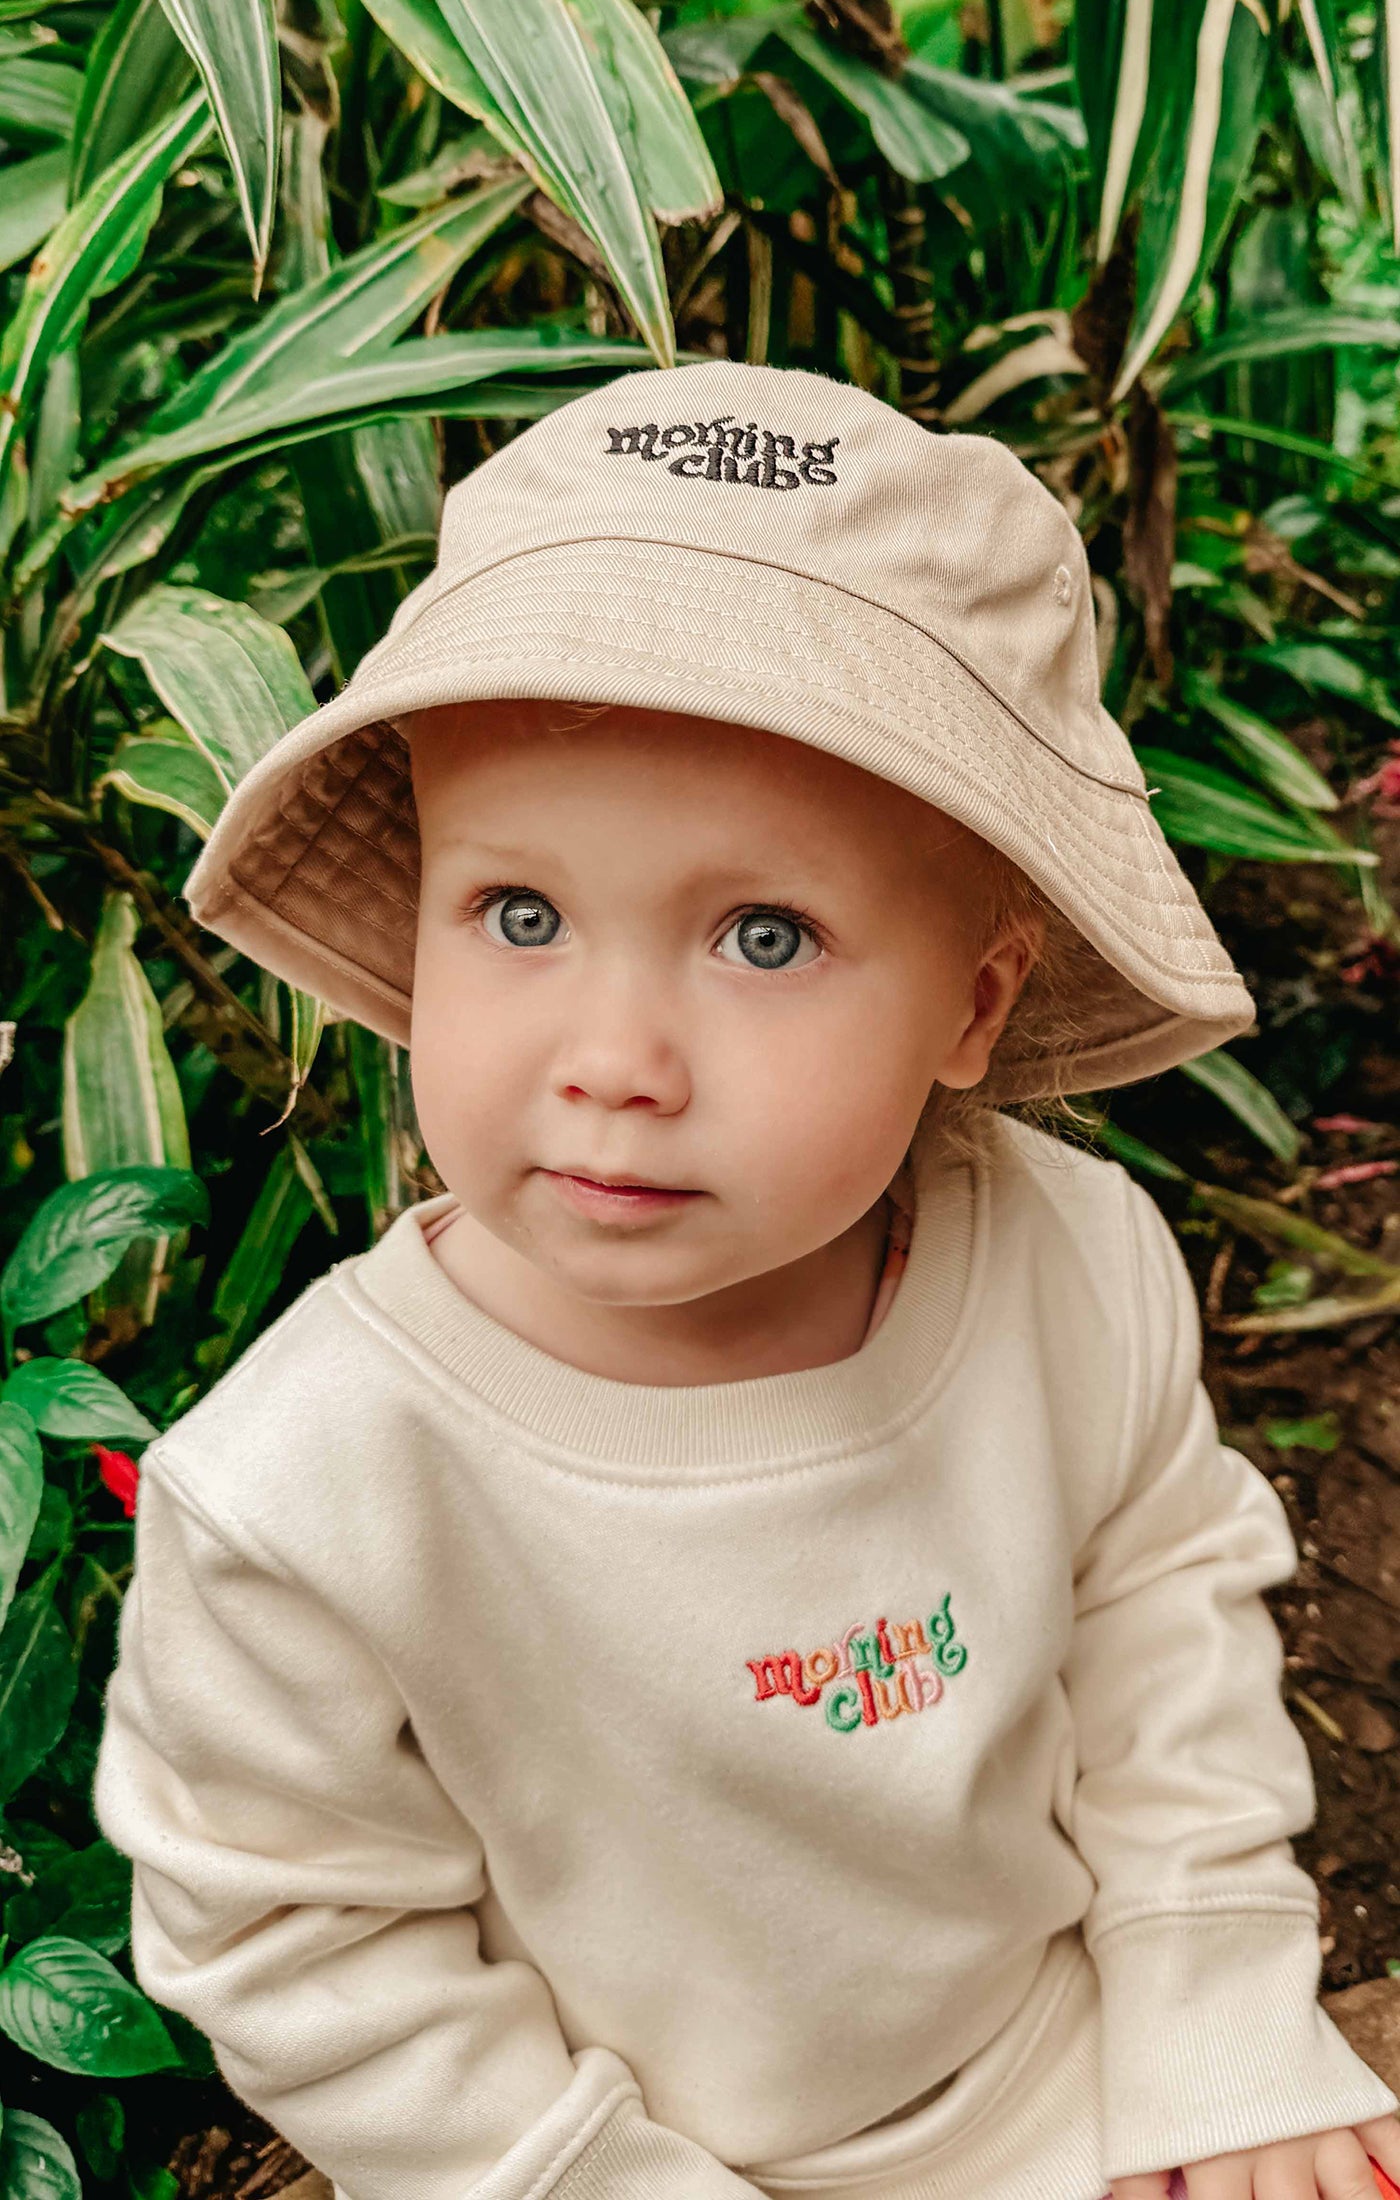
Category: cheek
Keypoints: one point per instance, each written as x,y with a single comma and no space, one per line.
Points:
832,1088
470,1052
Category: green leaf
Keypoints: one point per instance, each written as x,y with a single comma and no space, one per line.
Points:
1205,808
1323,33
21,1490
916,142
38,101
233,44
38,1681
1015,142
70,1399
1248,1100
1135,1154
101,2127
85,1895
360,493
1318,665
1318,1432
136,72
1110,42
361,304
1276,336
1286,1283
33,200
448,167
69,2007
140,522
173,776
258,1262
1385,63
1261,748
53,442
36,2162
1279,439
79,257
653,119
233,681
121,1098
82,1230
522,68
438,368
1210,81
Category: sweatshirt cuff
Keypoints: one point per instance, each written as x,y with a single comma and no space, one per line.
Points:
635,2159
1213,2039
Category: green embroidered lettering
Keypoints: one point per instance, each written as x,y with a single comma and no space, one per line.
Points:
843,1710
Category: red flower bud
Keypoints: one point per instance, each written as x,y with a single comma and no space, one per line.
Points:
120,1474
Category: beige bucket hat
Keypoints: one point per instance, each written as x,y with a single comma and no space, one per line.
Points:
768,546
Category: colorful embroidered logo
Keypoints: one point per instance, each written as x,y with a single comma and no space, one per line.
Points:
883,1675
721,450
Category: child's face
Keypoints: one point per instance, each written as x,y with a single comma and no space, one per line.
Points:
661,951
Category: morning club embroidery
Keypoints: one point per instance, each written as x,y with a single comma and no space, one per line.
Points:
721,450
879,1668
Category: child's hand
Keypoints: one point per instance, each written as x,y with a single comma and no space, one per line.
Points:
1323,2165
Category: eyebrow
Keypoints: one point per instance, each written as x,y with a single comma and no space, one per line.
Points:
466,843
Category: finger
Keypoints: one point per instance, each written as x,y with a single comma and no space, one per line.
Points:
1148,2184
1222,2177
1284,2171
1380,2135
1342,2167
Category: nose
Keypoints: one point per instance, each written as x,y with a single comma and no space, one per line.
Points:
619,1052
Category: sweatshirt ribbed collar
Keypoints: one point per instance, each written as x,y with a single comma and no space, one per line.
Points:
641,1431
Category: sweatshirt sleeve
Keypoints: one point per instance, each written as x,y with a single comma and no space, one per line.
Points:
1191,1777
302,1891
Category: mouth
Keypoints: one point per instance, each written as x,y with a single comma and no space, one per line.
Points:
617,1195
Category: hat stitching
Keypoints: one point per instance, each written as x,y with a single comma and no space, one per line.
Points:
266,916
796,573
866,698
302,836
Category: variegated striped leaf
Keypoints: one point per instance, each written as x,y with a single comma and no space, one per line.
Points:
522,68
1197,165
80,257
654,121
229,678
169,775
136,71
121,1097
233,44
364,302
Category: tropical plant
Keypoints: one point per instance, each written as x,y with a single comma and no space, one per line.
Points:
277,274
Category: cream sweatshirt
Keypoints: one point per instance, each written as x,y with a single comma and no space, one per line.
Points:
545,1785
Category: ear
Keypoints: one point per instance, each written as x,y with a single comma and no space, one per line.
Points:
996,984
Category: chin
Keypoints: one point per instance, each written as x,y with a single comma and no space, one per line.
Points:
637,1282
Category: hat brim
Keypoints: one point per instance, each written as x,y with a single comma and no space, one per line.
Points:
312,869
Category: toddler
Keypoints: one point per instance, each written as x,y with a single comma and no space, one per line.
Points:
725,1655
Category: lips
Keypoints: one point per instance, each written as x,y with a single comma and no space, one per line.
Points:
614,1199
618,1183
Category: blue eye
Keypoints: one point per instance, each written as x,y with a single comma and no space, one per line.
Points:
765,939
522,920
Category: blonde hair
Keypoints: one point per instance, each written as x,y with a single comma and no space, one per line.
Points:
1046,1022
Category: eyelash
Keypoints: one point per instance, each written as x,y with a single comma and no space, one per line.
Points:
477,905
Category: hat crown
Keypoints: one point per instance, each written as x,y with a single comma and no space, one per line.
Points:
782,467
